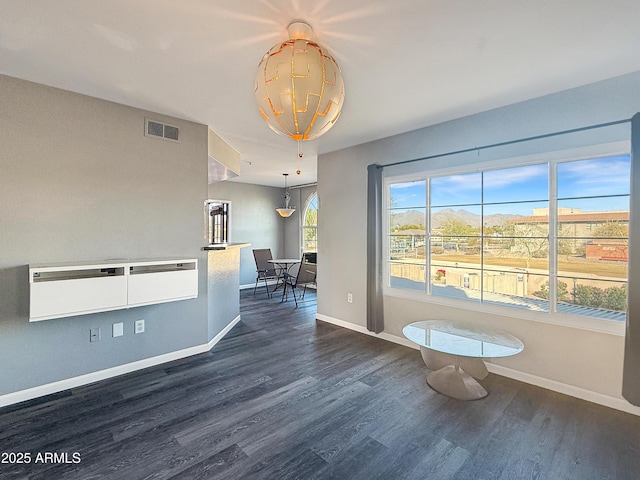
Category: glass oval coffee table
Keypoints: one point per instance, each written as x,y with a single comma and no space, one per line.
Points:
453,351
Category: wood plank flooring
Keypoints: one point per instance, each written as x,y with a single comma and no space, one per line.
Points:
284,396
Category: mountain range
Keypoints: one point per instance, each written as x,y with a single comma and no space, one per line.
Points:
414,217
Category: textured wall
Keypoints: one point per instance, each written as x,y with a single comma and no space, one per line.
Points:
222,285
79,181
254,220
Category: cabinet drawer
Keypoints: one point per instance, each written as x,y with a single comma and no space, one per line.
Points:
148,288
64,298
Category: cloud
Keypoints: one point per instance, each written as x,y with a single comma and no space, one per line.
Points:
514,176
600,176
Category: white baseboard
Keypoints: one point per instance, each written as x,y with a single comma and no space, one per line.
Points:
222,333
260,285
66,384
571,390
361,329
566,389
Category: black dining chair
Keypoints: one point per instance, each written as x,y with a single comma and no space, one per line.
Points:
305,275
265,271
310,265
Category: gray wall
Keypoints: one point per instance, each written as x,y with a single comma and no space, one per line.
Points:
80,182
586,360
253,220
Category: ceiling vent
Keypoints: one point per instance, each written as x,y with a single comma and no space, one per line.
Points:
160,130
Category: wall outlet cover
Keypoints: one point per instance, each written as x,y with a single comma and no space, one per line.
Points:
139,326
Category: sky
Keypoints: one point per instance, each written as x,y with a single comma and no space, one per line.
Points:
600,177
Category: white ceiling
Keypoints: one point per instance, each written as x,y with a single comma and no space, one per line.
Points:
406,63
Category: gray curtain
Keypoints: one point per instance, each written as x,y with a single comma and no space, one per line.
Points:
375,311
631,372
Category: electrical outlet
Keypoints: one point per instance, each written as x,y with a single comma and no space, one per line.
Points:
118,329
350,297
94,335
139,326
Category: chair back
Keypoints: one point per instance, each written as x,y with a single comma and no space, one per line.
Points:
262,257
293,273
308,269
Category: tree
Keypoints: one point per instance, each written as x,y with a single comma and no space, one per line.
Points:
617,234
525,240
311,217
611,230
456,230
410,226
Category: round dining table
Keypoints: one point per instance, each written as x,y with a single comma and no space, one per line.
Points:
284,265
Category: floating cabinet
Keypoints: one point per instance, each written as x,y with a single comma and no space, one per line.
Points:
65,290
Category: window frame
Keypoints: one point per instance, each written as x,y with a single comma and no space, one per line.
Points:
552,159
303,227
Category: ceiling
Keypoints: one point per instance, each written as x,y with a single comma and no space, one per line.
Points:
406,63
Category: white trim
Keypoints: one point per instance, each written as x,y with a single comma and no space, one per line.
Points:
260,284
74,382
222,333
566,389
592,324
362,329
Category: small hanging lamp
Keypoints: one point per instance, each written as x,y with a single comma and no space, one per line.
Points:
287,210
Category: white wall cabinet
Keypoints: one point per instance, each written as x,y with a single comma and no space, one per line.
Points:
64,290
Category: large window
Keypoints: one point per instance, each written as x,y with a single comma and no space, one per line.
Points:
310,225
548,237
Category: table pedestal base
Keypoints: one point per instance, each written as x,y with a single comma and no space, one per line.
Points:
454,382
435,360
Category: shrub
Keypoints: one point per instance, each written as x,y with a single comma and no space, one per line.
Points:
589,296
562,292
615,299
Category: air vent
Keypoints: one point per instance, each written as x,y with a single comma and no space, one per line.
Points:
161,130
171,133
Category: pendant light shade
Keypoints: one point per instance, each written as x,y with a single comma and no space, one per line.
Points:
286,211
299,89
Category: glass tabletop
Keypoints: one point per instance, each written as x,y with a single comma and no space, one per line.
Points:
464,339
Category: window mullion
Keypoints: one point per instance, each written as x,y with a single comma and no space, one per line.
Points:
427,248
553,237
482,237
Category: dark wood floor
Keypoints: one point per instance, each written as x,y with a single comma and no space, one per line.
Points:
284,396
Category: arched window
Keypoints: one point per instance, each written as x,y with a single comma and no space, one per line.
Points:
310,225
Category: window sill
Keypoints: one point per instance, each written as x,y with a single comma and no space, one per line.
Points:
572,321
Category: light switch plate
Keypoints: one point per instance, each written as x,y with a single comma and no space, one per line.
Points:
118,329
94,335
